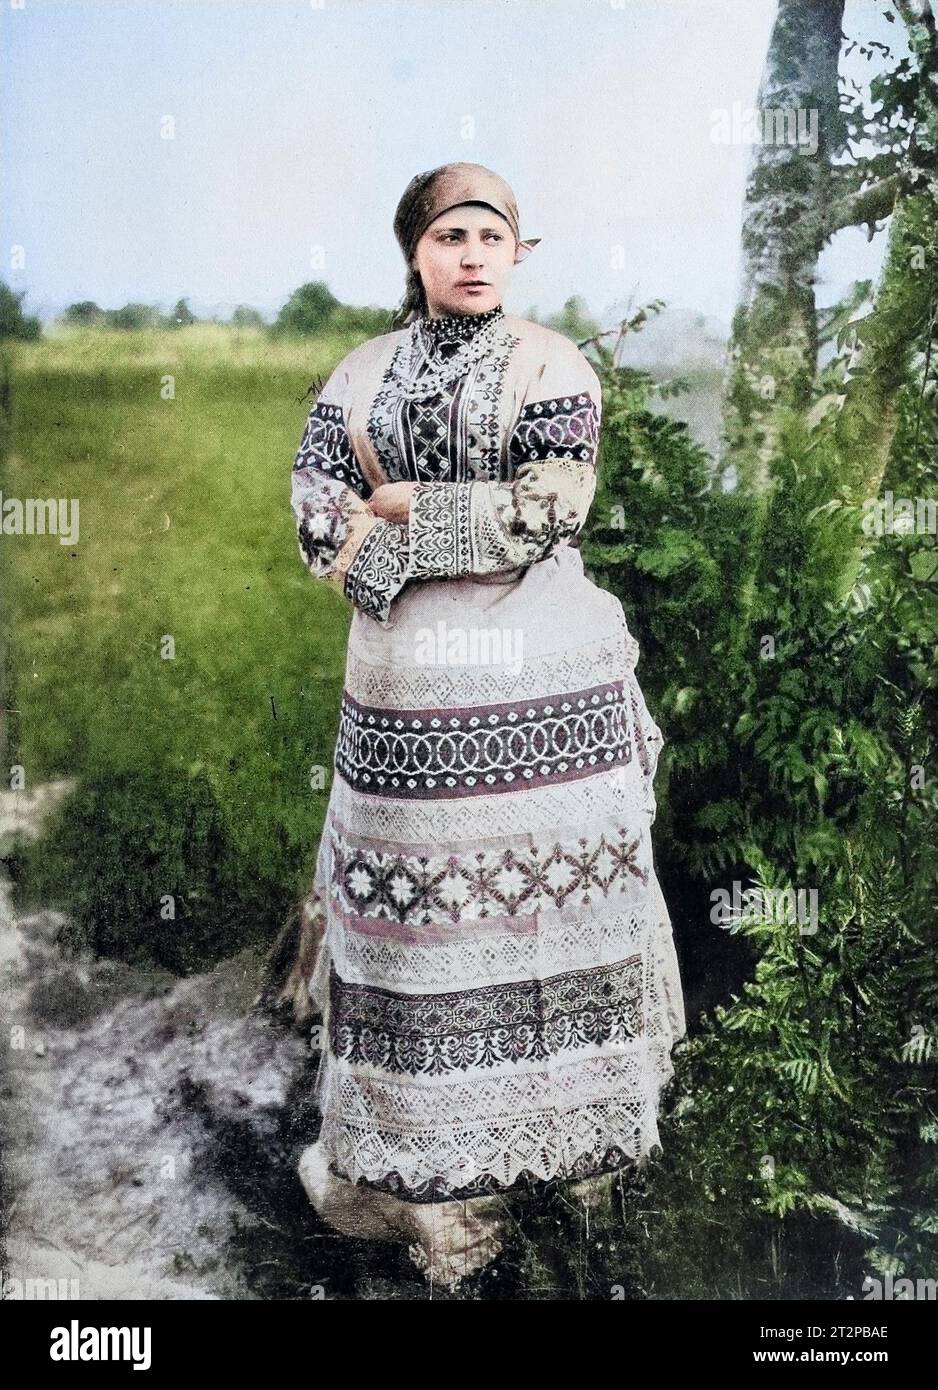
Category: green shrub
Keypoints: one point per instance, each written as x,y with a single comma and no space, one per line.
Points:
132,847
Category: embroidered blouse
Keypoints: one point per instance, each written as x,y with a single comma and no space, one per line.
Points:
495,418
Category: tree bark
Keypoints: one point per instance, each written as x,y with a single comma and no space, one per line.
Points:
907,294
773,348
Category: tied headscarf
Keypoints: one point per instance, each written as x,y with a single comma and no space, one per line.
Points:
435,192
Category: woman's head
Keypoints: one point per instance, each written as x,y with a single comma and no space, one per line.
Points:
464,259
456,225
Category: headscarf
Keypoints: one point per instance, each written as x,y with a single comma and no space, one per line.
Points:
435,192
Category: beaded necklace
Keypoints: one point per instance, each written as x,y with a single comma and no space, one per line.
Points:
442,349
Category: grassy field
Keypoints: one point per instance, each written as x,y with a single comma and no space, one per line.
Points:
186,531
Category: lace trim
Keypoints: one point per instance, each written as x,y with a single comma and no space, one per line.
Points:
569,944
416,687
490,1133
617,794
437,1189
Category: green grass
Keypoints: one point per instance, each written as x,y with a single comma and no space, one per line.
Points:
186,531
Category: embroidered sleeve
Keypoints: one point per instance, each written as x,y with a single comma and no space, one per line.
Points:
340,538
459,529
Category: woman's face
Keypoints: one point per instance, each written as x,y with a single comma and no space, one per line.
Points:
464,258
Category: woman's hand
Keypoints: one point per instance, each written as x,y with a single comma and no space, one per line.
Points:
392,501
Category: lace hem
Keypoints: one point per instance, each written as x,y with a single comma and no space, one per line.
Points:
437,1189
495,1131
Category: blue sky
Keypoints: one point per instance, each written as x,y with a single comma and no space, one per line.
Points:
298,125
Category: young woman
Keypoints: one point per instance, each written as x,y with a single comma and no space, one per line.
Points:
485,938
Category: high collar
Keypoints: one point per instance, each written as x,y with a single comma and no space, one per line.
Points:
457,328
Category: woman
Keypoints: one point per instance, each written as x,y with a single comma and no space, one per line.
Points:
485,937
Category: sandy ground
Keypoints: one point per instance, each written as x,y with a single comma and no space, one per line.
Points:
151,1130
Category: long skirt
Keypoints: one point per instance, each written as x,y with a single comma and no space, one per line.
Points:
496,973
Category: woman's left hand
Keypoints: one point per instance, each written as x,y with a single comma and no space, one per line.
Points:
392,501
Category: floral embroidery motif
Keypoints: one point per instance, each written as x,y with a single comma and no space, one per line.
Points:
322,514
525,1020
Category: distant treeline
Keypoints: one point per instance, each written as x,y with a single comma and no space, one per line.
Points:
311,309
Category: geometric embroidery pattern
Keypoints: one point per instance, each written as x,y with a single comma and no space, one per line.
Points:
450,888
444,427
326,447
565,427
497,748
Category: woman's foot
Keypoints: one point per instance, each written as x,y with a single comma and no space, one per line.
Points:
455,1239
355,1211
446,1240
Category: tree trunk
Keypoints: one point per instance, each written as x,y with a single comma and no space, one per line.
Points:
773,348
907,295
